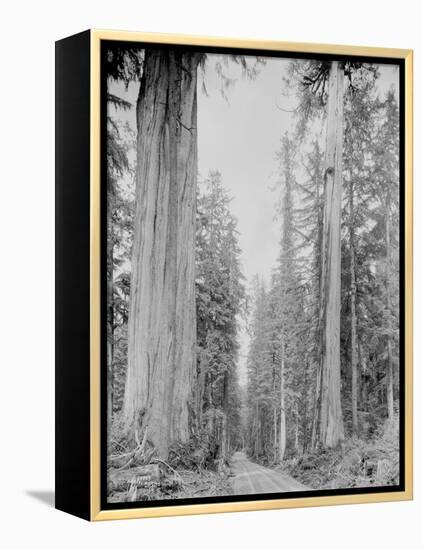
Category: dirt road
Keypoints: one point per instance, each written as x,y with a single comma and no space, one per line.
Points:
251,478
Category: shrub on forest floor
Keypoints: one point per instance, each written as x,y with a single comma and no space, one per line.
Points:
359,463
201,452
135,473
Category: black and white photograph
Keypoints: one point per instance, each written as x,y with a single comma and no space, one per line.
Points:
252,288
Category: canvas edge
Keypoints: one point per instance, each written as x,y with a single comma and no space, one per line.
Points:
95,427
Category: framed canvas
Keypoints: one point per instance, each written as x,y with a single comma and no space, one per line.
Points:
233,275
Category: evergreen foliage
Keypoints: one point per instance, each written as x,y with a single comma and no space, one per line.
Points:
286,314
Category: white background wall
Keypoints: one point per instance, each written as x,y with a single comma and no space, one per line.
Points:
27,36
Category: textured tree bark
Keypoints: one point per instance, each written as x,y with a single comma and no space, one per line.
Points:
275,417
275,434
331,421
353,291
258,445
185,305
161,327
282,433
297,429
224,418
305,409
315,423
316,410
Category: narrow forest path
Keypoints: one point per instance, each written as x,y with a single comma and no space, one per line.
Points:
251,478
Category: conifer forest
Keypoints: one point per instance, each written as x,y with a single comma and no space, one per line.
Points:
253,274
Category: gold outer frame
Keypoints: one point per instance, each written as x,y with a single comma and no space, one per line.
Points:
95,428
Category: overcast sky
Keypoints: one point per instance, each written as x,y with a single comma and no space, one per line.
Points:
239,136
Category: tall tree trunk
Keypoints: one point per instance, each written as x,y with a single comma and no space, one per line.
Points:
224,417
305,409
316,408
282,433
318,365
185,305
364,379
161,327
258,447
390,373
331,422
275,414
297,428
200,395
275,433
353,292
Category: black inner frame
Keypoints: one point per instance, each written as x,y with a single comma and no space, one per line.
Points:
103,281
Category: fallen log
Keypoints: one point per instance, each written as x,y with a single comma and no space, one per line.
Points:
140,476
